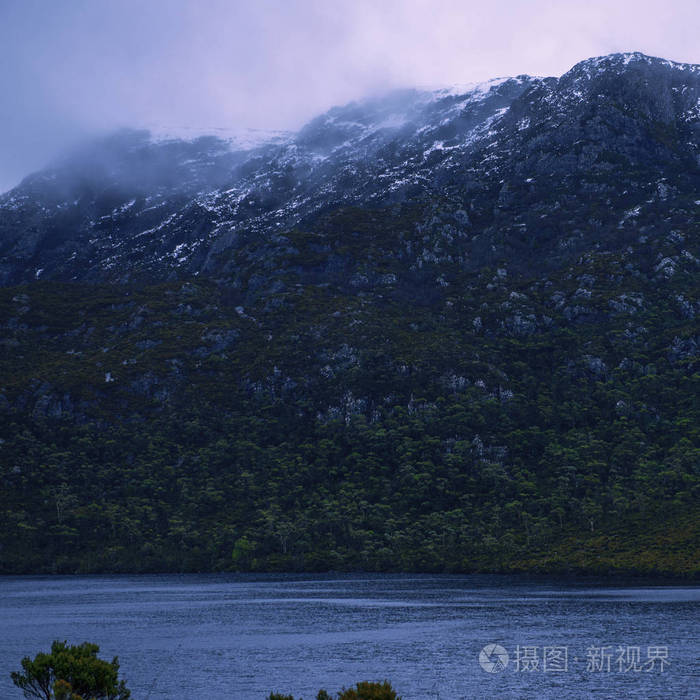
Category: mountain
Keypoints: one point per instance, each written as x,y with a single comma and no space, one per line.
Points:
446,329
621,130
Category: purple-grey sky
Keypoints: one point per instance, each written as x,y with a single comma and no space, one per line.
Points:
74,67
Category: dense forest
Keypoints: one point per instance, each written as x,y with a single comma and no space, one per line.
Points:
547,424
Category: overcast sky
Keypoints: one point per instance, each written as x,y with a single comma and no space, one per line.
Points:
73,67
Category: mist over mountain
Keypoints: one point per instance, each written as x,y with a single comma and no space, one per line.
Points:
448,329
135,207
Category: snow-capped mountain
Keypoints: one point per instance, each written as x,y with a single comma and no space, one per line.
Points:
501,158
441,330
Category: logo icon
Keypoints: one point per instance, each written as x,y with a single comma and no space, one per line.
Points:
493,658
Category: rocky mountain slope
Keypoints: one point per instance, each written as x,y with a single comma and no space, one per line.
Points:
437,330
513,166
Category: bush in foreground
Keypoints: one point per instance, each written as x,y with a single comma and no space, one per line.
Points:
365,690
70,673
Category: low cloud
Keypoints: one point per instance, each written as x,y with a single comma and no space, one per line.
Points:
78,67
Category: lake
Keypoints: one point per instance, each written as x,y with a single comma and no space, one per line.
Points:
238,636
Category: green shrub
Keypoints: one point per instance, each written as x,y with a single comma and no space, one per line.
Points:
365,690
70,673
369,691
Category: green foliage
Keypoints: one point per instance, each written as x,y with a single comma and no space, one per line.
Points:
70,673
365,690
332,430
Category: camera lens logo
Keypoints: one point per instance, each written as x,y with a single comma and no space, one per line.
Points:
493,658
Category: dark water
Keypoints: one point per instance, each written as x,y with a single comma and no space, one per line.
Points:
211,637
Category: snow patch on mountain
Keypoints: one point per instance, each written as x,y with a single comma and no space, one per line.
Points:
240,139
